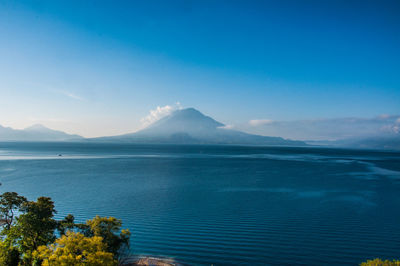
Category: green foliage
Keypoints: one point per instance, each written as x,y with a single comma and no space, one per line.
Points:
66,224
75,249
35,227
379,262
109,228
9,255
30,238
10,202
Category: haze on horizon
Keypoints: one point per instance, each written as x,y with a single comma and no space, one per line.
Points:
298,69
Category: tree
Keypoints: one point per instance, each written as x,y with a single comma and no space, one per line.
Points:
10,205
10,202
379,262
68,223
109,228
35,227
75,249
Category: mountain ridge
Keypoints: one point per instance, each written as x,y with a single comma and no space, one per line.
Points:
35,132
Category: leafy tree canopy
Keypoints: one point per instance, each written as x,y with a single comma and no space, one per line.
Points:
75,249
10,202
68,223
30,232
109,228
35,227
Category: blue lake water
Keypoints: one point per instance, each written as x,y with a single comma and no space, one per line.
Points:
223,204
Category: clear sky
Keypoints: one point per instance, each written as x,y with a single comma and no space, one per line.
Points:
97,67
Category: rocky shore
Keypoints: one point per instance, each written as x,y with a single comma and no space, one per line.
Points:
152,261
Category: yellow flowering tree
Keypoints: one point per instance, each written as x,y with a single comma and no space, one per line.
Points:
379,262
75,249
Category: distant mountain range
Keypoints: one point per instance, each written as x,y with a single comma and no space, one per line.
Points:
35,133
189,126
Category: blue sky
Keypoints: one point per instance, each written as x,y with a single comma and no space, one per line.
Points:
97,67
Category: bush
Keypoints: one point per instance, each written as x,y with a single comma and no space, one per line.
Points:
379,262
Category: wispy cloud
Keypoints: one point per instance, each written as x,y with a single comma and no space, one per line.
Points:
228,127
325,129
260,122
71,95
158,113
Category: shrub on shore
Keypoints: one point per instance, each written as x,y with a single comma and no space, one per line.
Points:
379,262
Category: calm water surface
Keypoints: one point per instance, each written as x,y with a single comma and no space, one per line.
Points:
223,204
